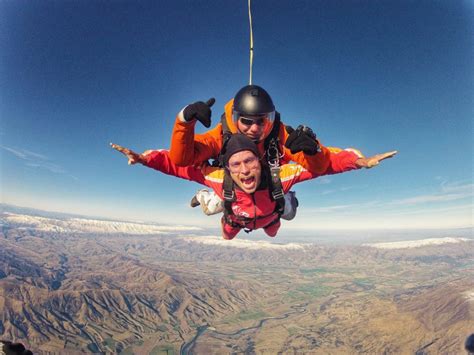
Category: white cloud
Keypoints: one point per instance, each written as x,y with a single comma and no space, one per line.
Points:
341,208
343,189
423,211
48,166
364,220
15,152
433,210
459,187
448,192
36,160
35,155
430,198
329,209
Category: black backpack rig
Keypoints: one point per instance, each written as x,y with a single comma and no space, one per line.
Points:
270,172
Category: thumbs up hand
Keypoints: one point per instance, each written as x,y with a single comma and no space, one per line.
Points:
200,111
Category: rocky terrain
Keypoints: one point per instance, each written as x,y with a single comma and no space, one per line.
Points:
69,285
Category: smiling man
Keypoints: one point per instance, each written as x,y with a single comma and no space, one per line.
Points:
251,204
241,160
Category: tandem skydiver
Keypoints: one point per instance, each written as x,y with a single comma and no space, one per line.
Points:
253,114
245,182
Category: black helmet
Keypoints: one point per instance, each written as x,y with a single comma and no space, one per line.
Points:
253,100
253,105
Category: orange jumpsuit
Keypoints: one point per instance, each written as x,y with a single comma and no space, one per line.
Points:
188,148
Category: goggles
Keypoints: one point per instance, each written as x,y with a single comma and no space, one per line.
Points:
259,120
250,121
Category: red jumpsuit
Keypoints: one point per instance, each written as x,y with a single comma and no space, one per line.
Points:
250,211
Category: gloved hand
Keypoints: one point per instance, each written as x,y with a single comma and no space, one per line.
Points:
302,139
200,111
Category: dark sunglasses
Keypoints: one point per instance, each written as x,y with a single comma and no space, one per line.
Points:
250,121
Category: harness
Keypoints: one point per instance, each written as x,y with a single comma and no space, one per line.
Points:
270,170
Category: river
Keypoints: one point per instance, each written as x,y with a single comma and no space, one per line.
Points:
187,348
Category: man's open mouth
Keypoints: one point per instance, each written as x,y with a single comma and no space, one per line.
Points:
248,181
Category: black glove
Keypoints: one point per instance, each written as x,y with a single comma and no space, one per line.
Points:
302,139
200,111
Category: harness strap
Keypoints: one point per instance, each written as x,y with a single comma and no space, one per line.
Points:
226,135
228,186
248,219
276,189
235,222
272,150
228,194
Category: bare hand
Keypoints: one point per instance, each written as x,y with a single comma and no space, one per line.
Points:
133,157
370,162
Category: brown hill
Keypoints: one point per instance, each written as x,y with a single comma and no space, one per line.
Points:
441,307
103,301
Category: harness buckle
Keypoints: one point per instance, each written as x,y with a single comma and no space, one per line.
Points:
229,195
273,153
277,194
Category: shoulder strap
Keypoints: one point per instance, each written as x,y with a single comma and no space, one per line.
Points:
273,153
226,134
228,186
228,194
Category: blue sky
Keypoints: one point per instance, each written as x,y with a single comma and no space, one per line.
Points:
375,75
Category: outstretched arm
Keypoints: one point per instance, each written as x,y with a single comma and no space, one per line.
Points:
160,160
341,161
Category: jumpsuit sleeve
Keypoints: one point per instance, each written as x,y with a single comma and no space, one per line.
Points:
340,161
160,160
212,177
188,148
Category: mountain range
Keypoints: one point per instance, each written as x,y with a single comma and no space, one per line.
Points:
70,284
